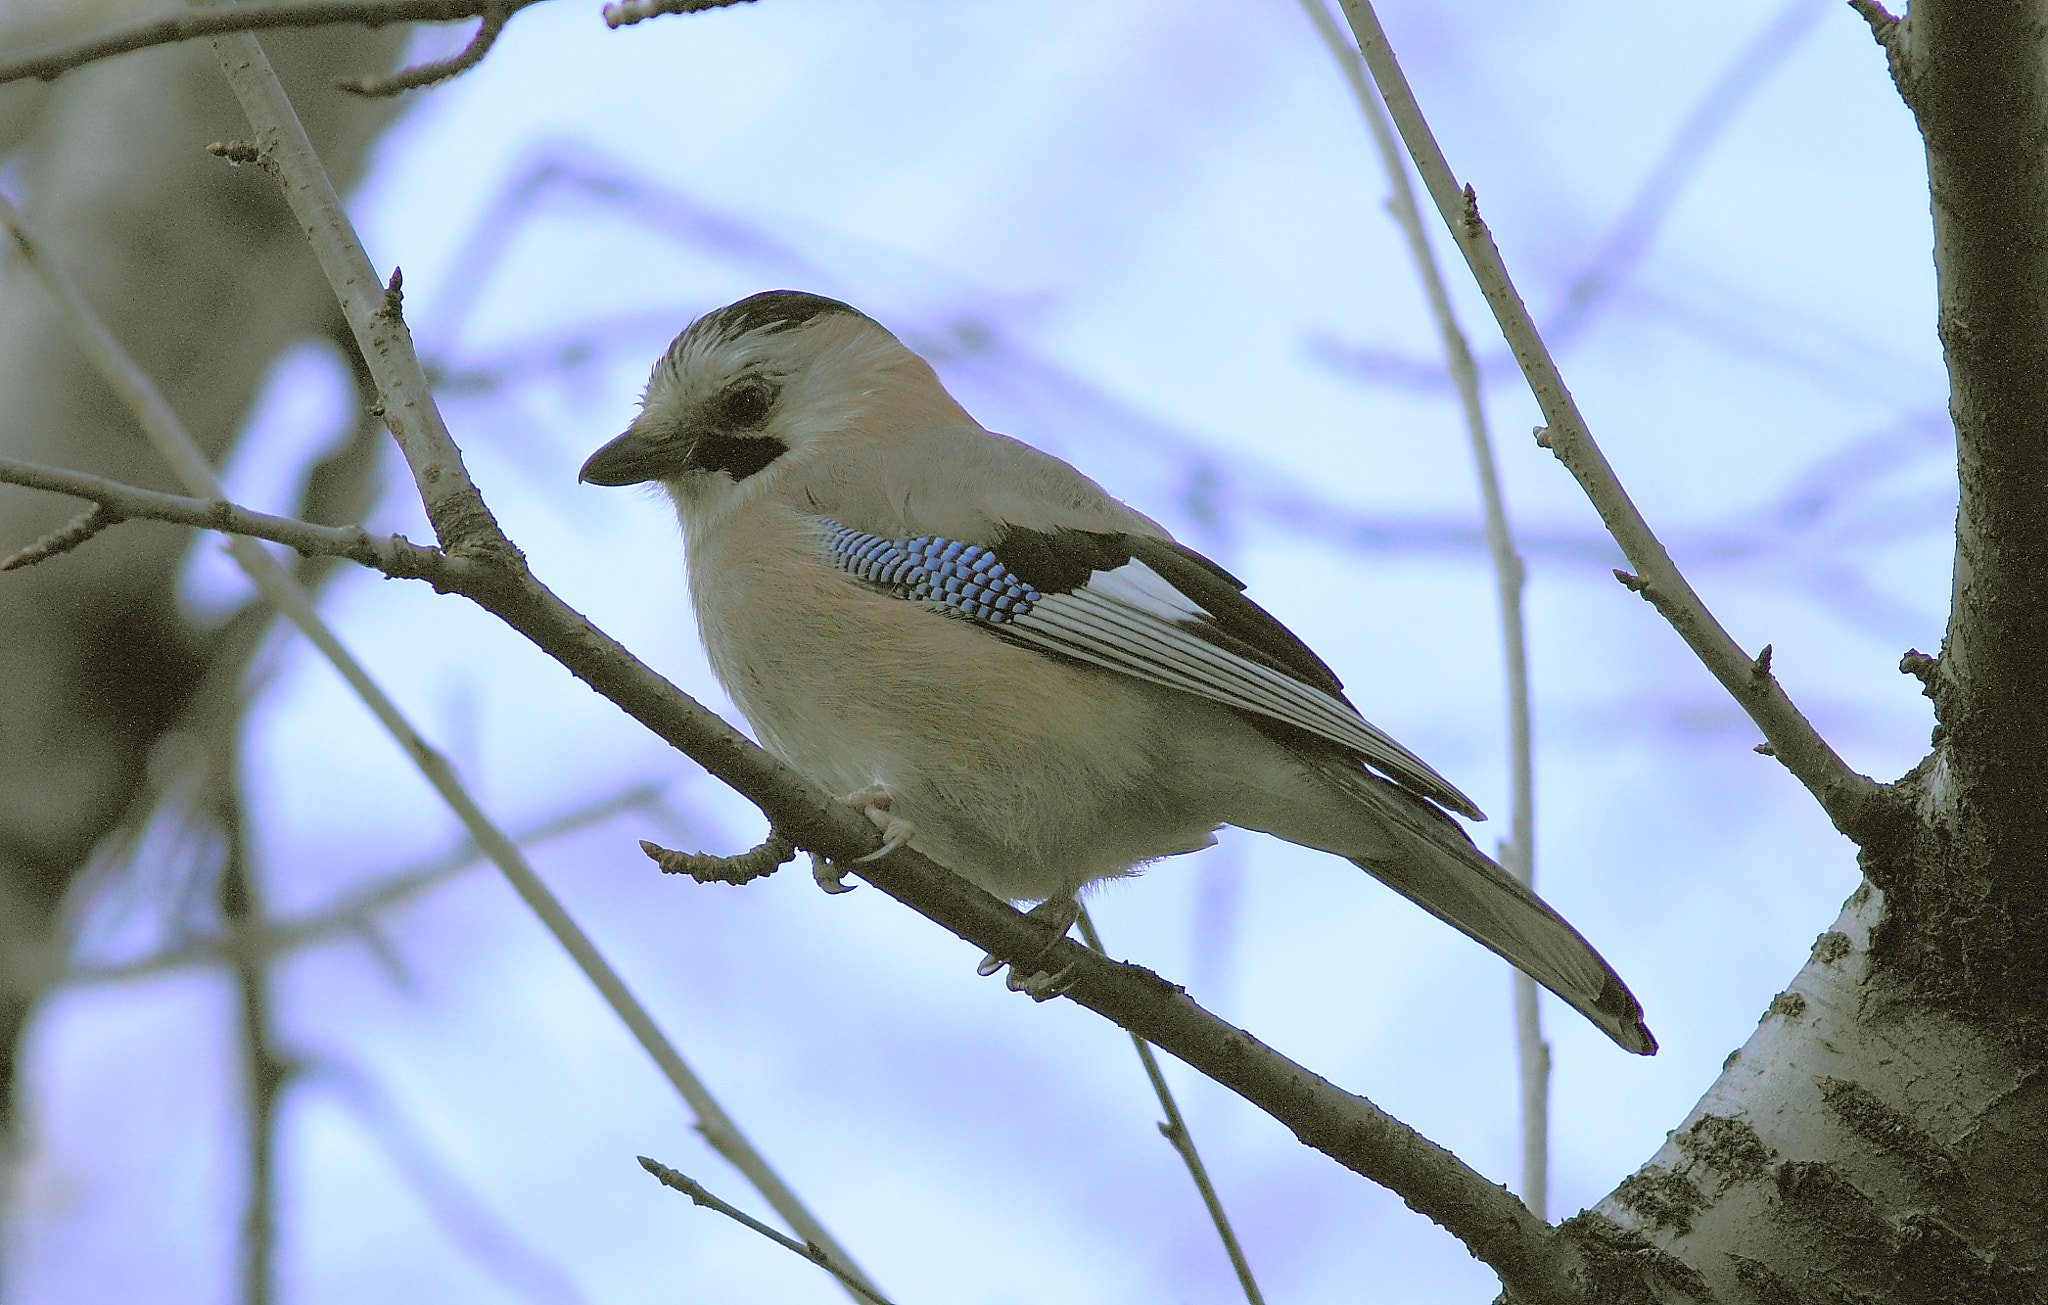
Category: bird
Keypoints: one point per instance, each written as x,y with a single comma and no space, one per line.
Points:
1011,671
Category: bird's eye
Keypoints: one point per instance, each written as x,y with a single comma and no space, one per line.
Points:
744,405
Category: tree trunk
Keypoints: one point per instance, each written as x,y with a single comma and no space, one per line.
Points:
1883,1137
206,277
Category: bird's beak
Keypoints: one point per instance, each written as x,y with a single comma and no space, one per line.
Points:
630,459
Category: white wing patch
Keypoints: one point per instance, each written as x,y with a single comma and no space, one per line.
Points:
1136,585
1132,620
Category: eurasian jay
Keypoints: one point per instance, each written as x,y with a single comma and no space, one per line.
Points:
1013,672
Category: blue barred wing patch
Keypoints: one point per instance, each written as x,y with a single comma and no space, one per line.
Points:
1139,607
965,578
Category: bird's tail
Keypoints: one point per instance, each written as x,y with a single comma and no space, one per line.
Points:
1422,855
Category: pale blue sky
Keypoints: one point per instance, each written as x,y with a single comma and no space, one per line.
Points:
1151,238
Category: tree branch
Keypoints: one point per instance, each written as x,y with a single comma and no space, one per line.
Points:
1175,1130
374,309
394,555
49,61
700,1195
440,70
1971,73
627,12
1861,808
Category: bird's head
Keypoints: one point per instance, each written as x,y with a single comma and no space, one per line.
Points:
747,385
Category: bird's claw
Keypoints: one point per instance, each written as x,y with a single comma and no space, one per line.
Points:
896,833
1058,914
1041,986
874,802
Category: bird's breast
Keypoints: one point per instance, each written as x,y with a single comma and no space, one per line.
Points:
1025,773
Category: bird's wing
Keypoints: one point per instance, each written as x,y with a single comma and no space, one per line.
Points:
1139,604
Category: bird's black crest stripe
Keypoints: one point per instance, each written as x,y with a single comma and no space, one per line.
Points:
1060,561
777,310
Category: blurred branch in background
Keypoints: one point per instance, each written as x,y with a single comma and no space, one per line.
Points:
1620,251
266,1070
462,1212
1859,807
288,148
212,277
59,57
1518,850
358,912
1808,539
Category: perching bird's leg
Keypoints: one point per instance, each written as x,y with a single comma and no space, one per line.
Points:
896,831
1059,912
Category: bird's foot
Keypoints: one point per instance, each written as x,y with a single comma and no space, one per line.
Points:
874,801
1027,976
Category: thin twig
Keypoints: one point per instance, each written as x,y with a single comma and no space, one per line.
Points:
1518,853
49,61
177,447
628,12
64,538
394,555
265,1071
439,70
1859,807
773,853
697,1193
1175,1131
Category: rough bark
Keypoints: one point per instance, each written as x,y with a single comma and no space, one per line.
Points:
207,278
1973,917
1865,1145
1883,1137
